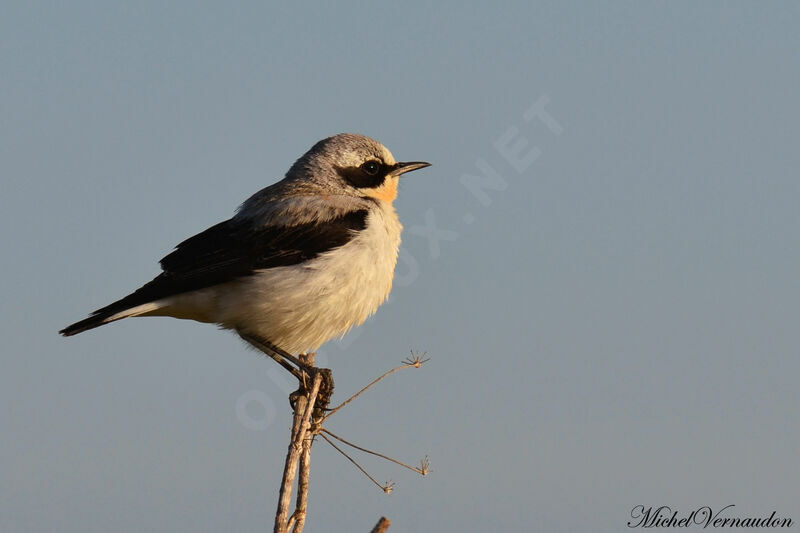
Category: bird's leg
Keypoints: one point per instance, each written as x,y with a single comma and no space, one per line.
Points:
282,357
306,359
302,368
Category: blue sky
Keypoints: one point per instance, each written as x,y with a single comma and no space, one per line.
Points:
612,321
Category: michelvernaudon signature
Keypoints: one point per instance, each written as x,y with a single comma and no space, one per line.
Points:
665,516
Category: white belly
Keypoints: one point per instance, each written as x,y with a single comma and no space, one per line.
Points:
300,307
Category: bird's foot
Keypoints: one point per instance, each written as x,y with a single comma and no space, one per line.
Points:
308,373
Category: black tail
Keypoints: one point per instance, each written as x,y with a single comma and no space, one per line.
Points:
149,292
92,322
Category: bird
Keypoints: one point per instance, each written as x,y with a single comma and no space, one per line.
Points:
300,262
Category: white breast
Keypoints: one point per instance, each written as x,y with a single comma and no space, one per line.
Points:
302,306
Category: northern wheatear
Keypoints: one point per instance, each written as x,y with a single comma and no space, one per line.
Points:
301,261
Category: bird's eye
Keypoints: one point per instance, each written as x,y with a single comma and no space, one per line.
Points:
371,167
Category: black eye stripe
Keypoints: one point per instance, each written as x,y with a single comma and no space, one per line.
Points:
365,177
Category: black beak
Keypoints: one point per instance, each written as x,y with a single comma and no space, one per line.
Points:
408,166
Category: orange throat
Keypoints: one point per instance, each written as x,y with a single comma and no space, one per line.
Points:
387,191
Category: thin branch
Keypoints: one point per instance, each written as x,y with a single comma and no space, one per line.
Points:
415,361
424,464
387,488
302,421
301,504
303,478
282,519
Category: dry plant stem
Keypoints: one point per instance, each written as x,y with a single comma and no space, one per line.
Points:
382,525
282,520
374,382
302,422
303,476
301,506
382,487
395,461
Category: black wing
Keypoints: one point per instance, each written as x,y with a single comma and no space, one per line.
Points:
230,250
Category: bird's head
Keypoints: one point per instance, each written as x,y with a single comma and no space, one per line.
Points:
355,165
